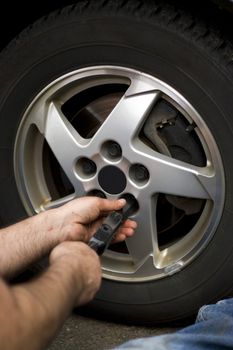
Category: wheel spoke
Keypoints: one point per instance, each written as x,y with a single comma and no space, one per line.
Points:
144,242
65,143
171,176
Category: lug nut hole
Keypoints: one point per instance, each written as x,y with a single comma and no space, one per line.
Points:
96,193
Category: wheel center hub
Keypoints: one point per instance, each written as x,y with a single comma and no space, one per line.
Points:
112,179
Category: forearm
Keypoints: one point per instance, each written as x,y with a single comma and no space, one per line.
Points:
24,243
39,309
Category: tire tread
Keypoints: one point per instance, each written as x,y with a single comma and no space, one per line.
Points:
167,15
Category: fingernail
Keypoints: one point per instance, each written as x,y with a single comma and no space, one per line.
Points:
122,201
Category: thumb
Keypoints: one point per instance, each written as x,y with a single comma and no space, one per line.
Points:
109,205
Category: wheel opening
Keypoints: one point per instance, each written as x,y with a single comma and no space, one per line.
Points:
56,180
88,109
176,217
167,131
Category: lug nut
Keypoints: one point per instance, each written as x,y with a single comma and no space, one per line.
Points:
139,172
85,167
114,149
88,166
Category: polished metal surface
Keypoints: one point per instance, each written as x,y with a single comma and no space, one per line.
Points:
44,119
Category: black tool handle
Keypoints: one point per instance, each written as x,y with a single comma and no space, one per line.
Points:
104,235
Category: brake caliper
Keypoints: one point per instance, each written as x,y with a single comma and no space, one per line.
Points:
169,132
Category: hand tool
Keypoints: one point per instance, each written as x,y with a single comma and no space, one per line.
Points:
104,235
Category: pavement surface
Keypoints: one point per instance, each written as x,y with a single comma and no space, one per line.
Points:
83,333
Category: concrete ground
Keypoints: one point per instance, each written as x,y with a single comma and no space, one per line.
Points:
82,333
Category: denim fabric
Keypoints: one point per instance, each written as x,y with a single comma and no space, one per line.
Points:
213,330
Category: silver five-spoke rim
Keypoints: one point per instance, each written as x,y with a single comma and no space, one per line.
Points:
124,106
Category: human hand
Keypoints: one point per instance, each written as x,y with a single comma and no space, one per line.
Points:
83,266
80,218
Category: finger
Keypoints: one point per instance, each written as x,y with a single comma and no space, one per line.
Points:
129,223
106,205
122,235
119,238
127,231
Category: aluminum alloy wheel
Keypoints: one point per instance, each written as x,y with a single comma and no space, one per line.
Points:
117,140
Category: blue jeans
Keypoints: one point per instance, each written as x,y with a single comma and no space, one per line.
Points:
213,330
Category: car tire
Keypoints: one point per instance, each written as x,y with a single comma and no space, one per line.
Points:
184,54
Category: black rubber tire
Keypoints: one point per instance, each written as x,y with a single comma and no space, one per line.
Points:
164,42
